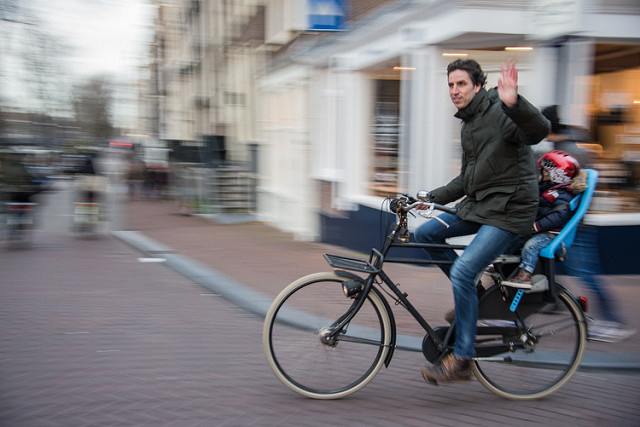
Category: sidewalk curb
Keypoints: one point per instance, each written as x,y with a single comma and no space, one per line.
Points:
258,304
234,291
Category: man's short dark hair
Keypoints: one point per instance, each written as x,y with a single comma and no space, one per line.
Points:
551,114
478,77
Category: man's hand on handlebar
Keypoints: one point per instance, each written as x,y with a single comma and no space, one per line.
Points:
423,196
404,199
421,202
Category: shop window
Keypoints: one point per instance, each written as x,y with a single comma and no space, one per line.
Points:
616,129
385,135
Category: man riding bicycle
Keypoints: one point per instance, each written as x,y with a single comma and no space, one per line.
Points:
498,181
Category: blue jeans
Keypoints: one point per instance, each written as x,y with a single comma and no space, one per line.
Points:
531,250
486,246
583,262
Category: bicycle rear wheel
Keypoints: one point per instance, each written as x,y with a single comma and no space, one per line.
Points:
298,350
547,364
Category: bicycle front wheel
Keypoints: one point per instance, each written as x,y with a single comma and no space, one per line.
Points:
545,365
299,351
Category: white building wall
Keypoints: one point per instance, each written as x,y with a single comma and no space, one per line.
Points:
429,152
353,115
284,19
239,102
323,99
286,191
575,91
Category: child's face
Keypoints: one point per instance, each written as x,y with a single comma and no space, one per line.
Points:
545,175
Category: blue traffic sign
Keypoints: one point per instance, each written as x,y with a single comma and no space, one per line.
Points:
327,15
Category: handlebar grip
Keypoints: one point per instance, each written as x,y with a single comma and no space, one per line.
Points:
446,209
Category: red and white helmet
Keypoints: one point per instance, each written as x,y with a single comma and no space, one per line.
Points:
561,166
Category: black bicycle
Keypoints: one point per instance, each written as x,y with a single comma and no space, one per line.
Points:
327,335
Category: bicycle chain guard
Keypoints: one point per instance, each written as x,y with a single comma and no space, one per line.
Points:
429,348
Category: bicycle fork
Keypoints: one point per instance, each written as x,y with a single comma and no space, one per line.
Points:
330,335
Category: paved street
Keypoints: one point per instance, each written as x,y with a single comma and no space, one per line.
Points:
93,336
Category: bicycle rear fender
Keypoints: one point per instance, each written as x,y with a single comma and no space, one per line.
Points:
392,319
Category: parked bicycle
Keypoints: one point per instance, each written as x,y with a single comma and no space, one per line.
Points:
86,217
19,221
327,335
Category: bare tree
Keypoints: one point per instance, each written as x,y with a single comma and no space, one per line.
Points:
33,56
47,77
92,104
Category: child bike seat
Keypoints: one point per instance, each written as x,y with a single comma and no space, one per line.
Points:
579,204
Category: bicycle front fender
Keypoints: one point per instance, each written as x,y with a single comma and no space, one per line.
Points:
392,320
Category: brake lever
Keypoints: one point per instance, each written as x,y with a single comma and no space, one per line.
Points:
429,211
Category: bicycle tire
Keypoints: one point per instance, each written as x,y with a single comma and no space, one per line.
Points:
550,362
294,349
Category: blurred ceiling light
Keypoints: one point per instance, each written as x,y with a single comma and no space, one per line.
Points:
404,68
455,54
636,101
518,48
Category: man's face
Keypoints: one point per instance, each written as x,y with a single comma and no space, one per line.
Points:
461,88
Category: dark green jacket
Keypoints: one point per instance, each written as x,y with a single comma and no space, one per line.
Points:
499,174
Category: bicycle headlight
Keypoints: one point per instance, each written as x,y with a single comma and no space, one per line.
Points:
351,288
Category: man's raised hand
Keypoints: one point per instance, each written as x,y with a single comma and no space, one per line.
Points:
508,84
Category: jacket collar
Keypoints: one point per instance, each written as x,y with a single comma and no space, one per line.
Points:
476,105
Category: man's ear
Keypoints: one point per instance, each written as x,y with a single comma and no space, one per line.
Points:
477,88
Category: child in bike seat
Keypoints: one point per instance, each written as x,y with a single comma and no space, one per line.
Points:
560,180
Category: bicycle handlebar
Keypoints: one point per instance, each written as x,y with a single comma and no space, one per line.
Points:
405,204
430,207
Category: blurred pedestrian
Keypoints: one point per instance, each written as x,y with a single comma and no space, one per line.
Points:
499,189
17,183
583,258
135,177
566,138
90,184
89,203
18,188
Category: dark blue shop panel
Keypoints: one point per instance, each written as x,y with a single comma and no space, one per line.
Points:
362,230
366,228
619,250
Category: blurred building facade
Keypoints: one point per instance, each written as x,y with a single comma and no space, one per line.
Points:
346,101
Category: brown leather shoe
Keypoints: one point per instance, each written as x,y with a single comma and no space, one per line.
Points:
451,369
522,280
450,315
